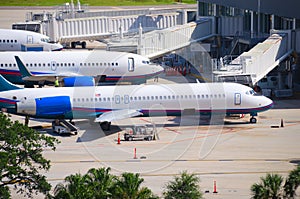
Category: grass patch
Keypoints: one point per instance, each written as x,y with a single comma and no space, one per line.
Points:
93,2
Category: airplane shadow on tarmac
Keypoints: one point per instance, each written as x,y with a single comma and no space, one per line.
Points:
93,131
203,121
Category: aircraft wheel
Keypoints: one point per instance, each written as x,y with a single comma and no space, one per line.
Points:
253,120
83,44
149,138
73,44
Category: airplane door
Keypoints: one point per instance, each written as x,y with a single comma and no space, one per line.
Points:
237,99
29,39
53,65
130,64
126,99
117,99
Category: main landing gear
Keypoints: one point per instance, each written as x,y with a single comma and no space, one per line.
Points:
26,120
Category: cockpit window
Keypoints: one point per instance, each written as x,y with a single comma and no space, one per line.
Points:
47,40
145,62
250,92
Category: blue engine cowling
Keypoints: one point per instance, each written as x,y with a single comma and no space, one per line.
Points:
78,81
46,107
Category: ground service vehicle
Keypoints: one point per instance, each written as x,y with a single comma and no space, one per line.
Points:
141,132
61,126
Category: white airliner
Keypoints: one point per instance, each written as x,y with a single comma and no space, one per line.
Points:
105,104
12,40
45,66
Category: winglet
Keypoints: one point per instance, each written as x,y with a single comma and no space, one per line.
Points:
6,85
23,70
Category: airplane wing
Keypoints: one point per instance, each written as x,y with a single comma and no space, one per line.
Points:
48,77
28,76
118,115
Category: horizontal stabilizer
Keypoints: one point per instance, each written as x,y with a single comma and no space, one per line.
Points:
118,115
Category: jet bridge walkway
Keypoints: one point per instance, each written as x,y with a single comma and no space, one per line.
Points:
252,66
159,42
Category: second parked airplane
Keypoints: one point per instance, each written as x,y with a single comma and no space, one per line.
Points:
104,65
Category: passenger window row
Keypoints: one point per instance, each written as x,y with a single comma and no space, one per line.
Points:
60,64
99,64
8,41
147,98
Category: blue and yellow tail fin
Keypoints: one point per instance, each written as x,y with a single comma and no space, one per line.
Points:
6,85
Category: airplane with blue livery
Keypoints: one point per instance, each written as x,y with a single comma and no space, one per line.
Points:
104,66
105,104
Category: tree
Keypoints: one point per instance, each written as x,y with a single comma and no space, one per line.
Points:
273,186
128,187
292,183
183,186
269,187
100,182
21,158
76,187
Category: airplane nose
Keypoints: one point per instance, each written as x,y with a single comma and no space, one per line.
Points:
158,69
268,103
56,47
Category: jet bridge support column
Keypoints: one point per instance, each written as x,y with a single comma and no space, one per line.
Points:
139,48
279,80
252,24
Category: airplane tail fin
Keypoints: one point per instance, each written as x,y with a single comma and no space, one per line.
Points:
23,70
6,85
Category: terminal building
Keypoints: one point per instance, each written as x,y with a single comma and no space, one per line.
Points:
257,43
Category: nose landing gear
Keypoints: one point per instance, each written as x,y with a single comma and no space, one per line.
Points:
253,120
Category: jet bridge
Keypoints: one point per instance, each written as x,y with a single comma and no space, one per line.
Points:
72,28
159,42
252,66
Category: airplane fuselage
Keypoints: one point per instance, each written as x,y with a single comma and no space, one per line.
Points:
151,100
114,66
12,40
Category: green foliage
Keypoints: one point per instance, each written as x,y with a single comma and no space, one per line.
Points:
4,192
292,183
183,186
92,2
21,158
99,184
269,187
273,186
76,187
128,187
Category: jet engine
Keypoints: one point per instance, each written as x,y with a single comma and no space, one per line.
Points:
78,81
46,107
